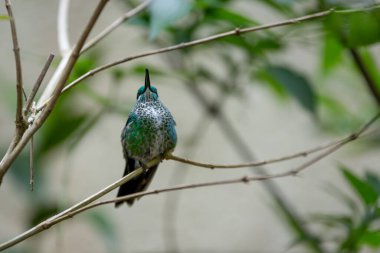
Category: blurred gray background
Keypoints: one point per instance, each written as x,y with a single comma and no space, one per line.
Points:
231,218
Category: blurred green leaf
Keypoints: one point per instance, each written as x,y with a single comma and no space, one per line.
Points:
4,17
83,65
332,53
295,84
373,180
118,74
41,212
165,13
105,227
65,118
356,28
371,238
139,69
283,6
365,190
233,18
343,197
253,45
335,116
205,4
20,170
370,64
263,75
60,125
332,221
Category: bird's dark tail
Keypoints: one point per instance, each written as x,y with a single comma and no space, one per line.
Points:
137,184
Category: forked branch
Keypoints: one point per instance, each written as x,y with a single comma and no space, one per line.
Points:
11,154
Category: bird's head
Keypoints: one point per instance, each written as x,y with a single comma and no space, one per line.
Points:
147,92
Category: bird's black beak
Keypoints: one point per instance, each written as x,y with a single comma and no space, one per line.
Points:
147,79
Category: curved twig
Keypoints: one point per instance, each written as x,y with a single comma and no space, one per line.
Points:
115,25
236,32
305,153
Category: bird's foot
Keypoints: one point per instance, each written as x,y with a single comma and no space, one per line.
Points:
165,155
145,167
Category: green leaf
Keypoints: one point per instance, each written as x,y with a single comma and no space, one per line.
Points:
165,13
365,190
332,53
356,28
373,180
233,18
4,17
41,212
371,238
295,84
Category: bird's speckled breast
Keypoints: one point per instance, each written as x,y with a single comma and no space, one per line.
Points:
149,131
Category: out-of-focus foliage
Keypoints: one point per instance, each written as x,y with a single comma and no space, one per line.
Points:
359,226
355,28
165,12
354,24
287,81
249,59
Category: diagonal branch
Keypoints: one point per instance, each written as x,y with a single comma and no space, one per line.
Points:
246,179
115,25
57,218
85,204
29,100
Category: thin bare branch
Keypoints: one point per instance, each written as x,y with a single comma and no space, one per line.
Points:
57,218
37,85
305,153
20,122
11,155
115,25
85,204
236,32
246,179
63,24
31,164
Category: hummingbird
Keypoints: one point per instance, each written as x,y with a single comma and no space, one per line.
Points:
148,133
